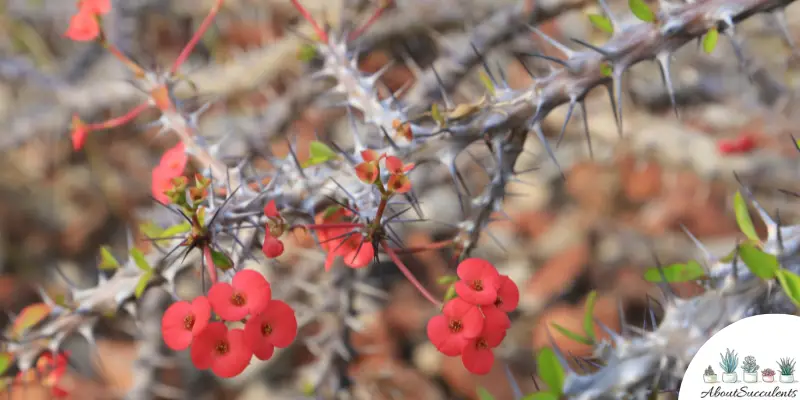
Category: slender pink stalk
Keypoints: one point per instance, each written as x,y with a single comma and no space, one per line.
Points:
210,266
121,120
375,16
307,15
197,35
402,267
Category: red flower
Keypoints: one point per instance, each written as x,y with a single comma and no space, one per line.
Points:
183,321
274,327
451,331
174,160
161,183
248,293
399,183
96,6
477,355
83,26
79,132
494,318
507,295
272,247
50,370
479,281
271,210
395,165
351,246
222,350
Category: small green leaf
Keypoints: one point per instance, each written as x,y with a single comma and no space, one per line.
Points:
640,9
763,265
221,260
676,272
447,279
572,335
487,82
588,316
601,22
550,370
201,216
306,52
138,258
437,115
540,396
176,230
29,317
790,283
743,217
710,40
6,360
319,153
450,293
605,69
151,230
484,394
142,284
107,260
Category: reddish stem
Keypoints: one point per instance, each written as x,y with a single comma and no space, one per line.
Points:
121,120
307,15
377,14
210,266
402,267
197,35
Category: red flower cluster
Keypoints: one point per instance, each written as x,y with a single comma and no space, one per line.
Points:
369,171
227,352
172,164
474,323
742,144
50,370
84,25
276,225
351,246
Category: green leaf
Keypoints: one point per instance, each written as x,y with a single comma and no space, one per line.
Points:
450,293
605,69
588,316
176,230
6,360
743,217
29,317
107,260
763,265
540,396
138,258
710,40
151,230
487,82
319,153
142,284
221,260
676,272
601,22
306,52
436,114
790,283
484,394
550,370
447,279
640,9
572,335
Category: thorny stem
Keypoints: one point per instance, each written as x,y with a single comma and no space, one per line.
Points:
197,35
330,226
430,247
323,36
402,267
379,213
135,68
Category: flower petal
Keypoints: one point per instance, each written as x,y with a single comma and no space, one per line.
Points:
201,308
256,289
220,297
477,360
443,338
202,350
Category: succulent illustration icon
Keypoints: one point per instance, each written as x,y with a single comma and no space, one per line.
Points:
750,368
786,367
729,362
768,375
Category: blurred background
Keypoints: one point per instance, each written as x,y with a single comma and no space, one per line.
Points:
562,239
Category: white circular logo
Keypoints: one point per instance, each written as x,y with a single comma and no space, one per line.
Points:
756,357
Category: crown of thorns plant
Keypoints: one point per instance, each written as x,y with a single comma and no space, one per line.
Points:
353,200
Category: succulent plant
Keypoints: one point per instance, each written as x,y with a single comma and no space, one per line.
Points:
709,371
786,366
729,361
749,365
768,372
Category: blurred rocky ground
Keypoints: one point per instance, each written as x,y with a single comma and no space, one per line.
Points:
562,240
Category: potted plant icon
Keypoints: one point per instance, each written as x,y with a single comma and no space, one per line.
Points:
728,363
709,376
786,366
750,369
768,375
